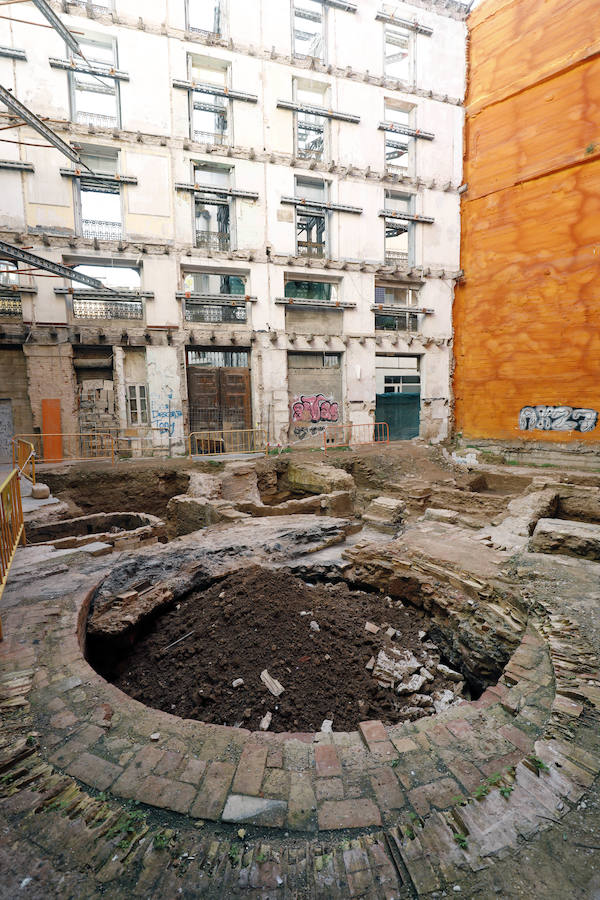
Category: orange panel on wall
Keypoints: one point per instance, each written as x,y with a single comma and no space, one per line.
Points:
51,430
527,317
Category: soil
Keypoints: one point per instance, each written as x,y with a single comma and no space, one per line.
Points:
258,619
124,487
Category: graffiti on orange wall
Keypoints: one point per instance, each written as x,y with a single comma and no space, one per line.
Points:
557,418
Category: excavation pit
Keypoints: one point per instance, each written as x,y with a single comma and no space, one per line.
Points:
342,653
122,529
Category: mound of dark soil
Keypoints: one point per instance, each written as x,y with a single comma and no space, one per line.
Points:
260,619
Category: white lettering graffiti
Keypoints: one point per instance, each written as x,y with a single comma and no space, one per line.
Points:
557,418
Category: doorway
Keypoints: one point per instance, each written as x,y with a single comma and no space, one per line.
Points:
398,395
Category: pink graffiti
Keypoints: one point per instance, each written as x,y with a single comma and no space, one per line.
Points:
315,409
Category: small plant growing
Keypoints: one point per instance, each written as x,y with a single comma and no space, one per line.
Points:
539,764
409,832
461,840
506,790
234,854
396,762
413,817
261,857
161,840
30,741
458,800
494,779
481,791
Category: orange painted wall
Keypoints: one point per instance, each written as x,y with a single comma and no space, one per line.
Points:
527,317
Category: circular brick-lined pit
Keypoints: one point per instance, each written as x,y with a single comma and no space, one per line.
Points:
369,777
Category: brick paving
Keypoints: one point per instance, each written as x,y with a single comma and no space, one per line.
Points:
374,813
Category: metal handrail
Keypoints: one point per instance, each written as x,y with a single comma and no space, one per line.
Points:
347,435
23,457
240,440
12,530
79,445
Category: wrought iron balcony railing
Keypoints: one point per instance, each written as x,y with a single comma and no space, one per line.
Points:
11,306
100,121
213,240
396,257
104,231
107,309
214,312
311,248
211,137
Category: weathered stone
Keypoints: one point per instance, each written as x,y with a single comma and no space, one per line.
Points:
255,810
187,514
414,683
566,537
40,491
395,665
449,673
441,515
318,479
385,513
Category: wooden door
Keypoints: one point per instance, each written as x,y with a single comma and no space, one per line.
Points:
219,398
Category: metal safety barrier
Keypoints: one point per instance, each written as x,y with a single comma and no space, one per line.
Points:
23,457
245,440
59,447
336,436
12,530
142,441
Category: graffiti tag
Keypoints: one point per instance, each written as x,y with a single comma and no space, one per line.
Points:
314,409
557,418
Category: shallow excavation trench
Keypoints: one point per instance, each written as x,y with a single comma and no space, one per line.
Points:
287,651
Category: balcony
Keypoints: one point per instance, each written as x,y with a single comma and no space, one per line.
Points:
103,231
97,120
217,138
213,240
215,313
396,258
11,306
107,309
312,249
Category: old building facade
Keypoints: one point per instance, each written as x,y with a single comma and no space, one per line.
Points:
271,193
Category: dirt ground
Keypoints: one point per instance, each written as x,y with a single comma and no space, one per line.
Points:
260,619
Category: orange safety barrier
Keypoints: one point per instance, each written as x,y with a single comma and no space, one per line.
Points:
12,530
243,440
350,435
51,448
23,457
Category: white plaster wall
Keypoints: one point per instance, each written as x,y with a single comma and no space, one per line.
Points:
164,387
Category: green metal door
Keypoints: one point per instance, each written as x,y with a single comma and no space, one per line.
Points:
401,412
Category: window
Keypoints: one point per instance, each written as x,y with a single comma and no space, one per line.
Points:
398,44
399,148
215,285
308,27
212,208
203,16
402,321
398,233
332,360
10,300
95,99
311,224
401,384
123,279
387,295
311,131
137,404
100,202
223,359
310,290
209,115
